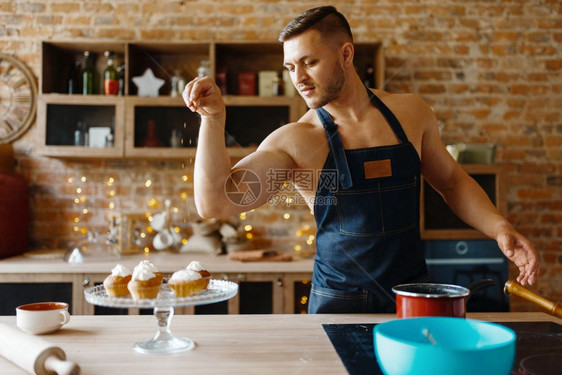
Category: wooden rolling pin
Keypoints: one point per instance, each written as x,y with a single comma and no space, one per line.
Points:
513,287
34,354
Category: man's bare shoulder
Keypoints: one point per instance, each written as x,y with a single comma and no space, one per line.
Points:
410,109
402,99
296,140
302,130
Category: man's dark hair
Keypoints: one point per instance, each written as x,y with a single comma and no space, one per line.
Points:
326,19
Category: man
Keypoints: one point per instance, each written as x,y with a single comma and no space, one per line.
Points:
376,144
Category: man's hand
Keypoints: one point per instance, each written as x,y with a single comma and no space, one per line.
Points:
203,96
520,251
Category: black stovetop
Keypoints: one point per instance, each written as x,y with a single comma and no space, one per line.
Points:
354,343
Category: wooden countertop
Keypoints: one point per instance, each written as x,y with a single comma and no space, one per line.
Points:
166,262
233,344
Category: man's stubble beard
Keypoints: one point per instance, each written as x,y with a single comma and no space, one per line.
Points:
333,88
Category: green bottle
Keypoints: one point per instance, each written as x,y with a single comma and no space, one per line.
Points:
88,74
110,79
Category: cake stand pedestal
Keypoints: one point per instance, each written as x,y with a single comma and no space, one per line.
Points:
164,342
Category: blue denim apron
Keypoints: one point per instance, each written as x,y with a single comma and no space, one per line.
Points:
367,216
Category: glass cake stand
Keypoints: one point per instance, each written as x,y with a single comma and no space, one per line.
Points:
164,342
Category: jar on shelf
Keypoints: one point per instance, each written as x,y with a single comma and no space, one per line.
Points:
178,84
109,139
81,135
204,69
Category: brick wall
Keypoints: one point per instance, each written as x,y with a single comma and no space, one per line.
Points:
492,71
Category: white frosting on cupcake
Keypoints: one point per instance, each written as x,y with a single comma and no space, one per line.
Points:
186,275
143,274
194,266
144,271
147,265
120,270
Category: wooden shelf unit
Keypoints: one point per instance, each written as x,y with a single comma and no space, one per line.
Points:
164,59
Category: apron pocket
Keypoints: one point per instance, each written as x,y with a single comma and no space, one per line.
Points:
325,300
376,212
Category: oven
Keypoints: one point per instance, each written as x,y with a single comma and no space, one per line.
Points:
463,262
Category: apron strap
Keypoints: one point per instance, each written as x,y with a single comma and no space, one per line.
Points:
336,148
390,117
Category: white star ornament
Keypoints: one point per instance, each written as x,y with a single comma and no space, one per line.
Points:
148,84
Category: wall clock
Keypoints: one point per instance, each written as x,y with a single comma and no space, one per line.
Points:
18,98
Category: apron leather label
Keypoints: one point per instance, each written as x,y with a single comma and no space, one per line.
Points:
378,168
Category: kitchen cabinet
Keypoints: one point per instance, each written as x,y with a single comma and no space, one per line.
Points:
250,118
265,287
14,294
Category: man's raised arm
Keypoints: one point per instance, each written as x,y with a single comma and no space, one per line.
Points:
220,190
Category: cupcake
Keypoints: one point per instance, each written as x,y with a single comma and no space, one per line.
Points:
116,284
196,266
145,282
187,283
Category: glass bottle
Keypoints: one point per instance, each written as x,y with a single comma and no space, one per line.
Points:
110,80
369,80
151,139
278,87
175,138
88,74
121,78
74,78
174,83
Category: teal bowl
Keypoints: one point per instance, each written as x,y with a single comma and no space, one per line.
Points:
442,345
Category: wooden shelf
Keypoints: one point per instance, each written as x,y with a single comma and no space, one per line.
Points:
60,114
249,118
